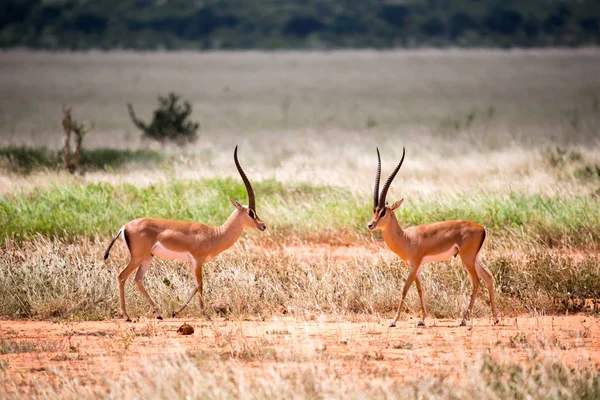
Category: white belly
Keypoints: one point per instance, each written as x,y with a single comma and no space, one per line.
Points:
161,251
440,256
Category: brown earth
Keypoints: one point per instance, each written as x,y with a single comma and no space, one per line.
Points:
357,347
99,352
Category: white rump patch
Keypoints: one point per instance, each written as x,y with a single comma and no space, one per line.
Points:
441,256
161,251
122,233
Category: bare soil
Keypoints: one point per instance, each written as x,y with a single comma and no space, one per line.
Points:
99,352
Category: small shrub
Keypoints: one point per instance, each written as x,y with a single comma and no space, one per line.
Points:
572,163
371,122
8,346
170,122
463,123
555,157
588,172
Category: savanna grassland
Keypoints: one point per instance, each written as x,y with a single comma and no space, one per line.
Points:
507,139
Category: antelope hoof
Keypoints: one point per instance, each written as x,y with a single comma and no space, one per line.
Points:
174,314
392,325
127,319
497,321
159,317
463,323
421,323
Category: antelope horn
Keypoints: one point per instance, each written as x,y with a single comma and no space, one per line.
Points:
377,177
387,184
246,181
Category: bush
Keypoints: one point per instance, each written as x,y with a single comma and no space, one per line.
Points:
170,122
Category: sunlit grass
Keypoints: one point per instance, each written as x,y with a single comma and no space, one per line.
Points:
68,279
305,211
308,374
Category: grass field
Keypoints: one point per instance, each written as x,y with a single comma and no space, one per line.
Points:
521,96
507,139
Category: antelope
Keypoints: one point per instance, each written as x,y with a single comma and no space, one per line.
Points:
427,243
197,243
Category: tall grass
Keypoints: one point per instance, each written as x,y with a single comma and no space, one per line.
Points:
65,278
306,211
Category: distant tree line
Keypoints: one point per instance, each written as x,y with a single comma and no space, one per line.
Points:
272,24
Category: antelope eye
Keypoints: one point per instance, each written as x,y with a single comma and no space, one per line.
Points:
382,213
251,214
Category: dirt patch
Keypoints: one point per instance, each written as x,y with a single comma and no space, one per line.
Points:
98,352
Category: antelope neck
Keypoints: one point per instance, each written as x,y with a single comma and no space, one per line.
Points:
228,233
393,234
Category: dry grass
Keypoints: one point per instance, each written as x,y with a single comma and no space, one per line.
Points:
488,378
426,171
68,279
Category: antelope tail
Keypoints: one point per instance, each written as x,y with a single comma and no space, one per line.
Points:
107,252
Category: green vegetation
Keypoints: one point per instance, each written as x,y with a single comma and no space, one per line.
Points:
25,160
169,122
572,164
231,24
314,213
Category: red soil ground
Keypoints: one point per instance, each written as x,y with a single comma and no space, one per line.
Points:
95,352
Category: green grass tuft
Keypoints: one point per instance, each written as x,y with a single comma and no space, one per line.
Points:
319,213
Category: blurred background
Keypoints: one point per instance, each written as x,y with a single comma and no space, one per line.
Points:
297,24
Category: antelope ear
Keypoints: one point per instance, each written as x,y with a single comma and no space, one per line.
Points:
236,204
397,204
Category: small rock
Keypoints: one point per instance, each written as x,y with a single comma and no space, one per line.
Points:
185,329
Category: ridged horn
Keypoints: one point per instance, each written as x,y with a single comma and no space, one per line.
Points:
387,184
251,203
377,178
